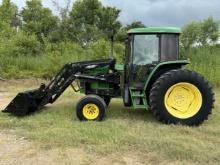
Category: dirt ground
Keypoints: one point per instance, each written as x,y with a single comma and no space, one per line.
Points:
14,150
5,98
18,150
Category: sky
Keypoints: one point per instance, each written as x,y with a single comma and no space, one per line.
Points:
156,12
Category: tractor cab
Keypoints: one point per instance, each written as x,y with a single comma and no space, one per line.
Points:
145,49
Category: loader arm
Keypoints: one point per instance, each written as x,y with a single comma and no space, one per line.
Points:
31,101
67,75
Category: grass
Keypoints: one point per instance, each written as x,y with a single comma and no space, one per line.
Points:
124,130
206,61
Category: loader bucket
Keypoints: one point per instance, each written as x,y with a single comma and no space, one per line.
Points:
24,103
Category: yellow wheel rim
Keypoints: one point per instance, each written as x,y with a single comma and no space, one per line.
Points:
90,111
183,100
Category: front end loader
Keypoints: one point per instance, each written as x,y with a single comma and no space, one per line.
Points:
152,78
30,101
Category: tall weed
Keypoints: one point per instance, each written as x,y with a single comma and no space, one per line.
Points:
205,60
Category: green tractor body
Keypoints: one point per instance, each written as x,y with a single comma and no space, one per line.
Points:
144,60
151,78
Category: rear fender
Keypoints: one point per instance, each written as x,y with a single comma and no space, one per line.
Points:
160,69
163,65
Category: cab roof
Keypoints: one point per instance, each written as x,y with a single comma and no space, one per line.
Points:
150,30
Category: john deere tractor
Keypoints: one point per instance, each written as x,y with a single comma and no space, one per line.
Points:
152,78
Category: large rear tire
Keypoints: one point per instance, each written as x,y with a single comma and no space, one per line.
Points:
181,97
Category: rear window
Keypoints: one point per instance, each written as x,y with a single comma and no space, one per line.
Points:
169,47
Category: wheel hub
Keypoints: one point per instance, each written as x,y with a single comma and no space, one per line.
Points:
183,100
91,111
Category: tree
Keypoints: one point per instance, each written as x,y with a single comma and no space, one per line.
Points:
8,19
108,22
63,10
7,11
122,33
200,33
61,34
190,34
89,21
38,20
83,21
209,31
135,24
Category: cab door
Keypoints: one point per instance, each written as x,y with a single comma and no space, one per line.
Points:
145,53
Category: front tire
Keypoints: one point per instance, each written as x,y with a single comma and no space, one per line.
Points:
91,108
181,97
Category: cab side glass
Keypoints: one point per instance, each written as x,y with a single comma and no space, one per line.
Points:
146,49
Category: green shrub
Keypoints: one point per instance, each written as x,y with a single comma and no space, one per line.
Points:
65,49
26,45
205,60
102,50
119,49
26,62
21,44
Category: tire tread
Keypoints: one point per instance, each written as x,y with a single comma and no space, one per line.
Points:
175,74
